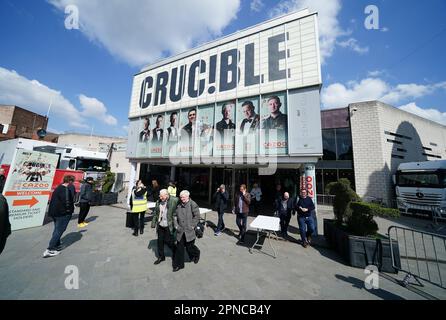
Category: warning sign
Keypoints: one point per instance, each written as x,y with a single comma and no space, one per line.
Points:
28,187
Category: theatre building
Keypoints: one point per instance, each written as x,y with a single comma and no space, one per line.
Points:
242,109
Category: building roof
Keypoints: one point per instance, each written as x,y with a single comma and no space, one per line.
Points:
236,35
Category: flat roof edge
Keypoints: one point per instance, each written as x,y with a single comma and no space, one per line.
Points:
265,25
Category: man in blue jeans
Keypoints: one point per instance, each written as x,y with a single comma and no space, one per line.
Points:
305,208
61,209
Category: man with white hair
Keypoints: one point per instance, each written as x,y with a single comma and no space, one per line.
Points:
186,219
163,218
284,208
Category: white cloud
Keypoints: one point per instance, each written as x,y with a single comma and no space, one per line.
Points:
404,91
32,95
338,94
142,31
431,114
329,27
94,108
35,96
353,44
256,5
376,73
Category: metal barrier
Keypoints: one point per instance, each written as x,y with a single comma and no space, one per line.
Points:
422,255
325,199
435,213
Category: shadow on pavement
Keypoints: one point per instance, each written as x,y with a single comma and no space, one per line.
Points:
153,245
72,238
91,219
359,284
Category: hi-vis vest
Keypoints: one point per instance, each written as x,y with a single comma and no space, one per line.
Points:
139,203
172,191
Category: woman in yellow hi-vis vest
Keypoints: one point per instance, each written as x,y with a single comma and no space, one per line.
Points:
138,204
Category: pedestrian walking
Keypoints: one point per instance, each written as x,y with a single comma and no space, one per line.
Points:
187,216
221,200
284,208
162,220
61,210
256,197
85,197
138,205
305,208
242,202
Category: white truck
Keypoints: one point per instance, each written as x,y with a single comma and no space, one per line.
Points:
94,164
421,187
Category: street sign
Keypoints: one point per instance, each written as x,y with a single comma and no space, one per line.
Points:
28,187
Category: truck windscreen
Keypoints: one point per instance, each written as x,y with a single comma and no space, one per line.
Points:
92,165
421,179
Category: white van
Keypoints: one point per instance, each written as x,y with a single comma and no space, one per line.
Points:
421,187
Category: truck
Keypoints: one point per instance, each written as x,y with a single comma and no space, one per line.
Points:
72,161
421,188
58,177
94,164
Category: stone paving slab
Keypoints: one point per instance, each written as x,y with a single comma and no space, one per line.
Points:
113,264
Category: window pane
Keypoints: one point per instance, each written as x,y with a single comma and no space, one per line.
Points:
330,176
348,174
344,144
329,143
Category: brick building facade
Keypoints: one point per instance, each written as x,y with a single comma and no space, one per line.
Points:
16,122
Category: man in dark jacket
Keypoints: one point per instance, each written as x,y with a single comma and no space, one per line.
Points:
284,208
5,226
61,209
186,218
162,219
85,197
2,179
241,209
221,199
305,208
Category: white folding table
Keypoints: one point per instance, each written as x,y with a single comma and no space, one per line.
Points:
204,211
265,224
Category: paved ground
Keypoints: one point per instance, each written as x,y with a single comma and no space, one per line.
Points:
113,264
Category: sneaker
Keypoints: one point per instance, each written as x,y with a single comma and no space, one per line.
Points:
50,253
309,239
217,233
85,224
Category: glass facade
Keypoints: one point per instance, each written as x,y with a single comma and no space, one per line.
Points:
337,144
337,161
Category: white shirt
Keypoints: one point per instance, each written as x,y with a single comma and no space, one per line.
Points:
257,193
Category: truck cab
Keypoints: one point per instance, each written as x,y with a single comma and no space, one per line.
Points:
421,187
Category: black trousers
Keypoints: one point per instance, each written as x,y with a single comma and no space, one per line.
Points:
165,237
284,222
242,220
2,244
83,211
191,249
138,223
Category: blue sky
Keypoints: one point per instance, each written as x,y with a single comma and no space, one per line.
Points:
86,74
